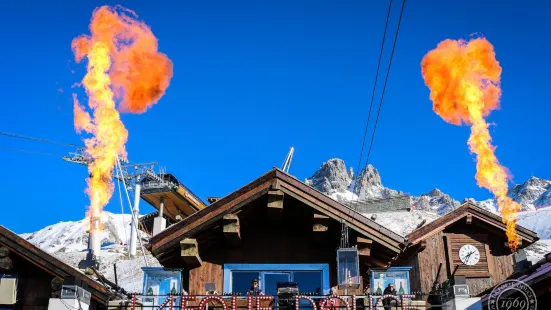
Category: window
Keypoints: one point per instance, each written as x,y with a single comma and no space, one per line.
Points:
241,281
309,277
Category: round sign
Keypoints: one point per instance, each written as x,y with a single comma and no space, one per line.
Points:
512,295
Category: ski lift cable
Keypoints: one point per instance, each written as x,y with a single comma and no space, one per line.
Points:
122,210
382,94
134,220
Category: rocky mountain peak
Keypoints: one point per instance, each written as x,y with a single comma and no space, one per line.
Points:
532,194
331,177
435,193
368,183
435,201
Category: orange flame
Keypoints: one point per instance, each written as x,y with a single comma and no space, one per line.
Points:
464,79
123,65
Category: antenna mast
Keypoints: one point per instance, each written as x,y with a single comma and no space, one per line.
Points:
288,159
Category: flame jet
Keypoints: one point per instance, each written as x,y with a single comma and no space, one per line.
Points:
124,66
464,82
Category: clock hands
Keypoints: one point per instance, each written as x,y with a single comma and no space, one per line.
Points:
468,255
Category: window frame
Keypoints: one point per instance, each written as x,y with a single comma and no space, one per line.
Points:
261,268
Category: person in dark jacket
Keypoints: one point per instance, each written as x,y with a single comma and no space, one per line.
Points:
389,290
255,289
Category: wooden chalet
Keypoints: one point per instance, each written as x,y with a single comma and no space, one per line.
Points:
35,271
439,242
274,229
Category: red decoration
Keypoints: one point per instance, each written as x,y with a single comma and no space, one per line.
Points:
206,299
330,301
404,299
183,302
168,300
259,306
234,303
249,302
307,298
171,302
333,299
380,300
369,302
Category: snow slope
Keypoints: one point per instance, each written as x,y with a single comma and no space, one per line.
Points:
68,242
402,222
72,236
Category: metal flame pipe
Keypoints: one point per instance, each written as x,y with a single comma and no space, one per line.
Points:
94,235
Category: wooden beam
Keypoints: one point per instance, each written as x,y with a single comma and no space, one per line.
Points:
364,246
231,229
320,223
469,218
275,204
275,199
190,253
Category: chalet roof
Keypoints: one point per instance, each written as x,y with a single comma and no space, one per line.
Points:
463,211
289,185
48,263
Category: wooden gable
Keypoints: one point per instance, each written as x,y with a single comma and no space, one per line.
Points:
272,189
467,212
439,243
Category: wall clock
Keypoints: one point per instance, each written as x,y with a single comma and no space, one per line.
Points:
469,255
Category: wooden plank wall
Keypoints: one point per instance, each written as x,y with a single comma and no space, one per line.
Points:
499,260
414,274
479,285
454,242
429,260
208,272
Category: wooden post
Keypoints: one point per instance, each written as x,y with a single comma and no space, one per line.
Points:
190,252
231,229
364,246
469,218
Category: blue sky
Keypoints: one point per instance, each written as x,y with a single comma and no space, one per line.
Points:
253,78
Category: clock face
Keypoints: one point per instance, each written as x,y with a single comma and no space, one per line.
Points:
469,254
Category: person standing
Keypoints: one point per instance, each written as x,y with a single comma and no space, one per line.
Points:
389,290
255,289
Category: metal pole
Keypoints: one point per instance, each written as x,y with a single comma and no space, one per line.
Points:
135,214
161,206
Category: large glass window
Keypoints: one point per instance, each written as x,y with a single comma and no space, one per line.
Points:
309,277
272,278
242,280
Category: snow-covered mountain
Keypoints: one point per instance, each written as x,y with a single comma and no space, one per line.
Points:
66,237
68,242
